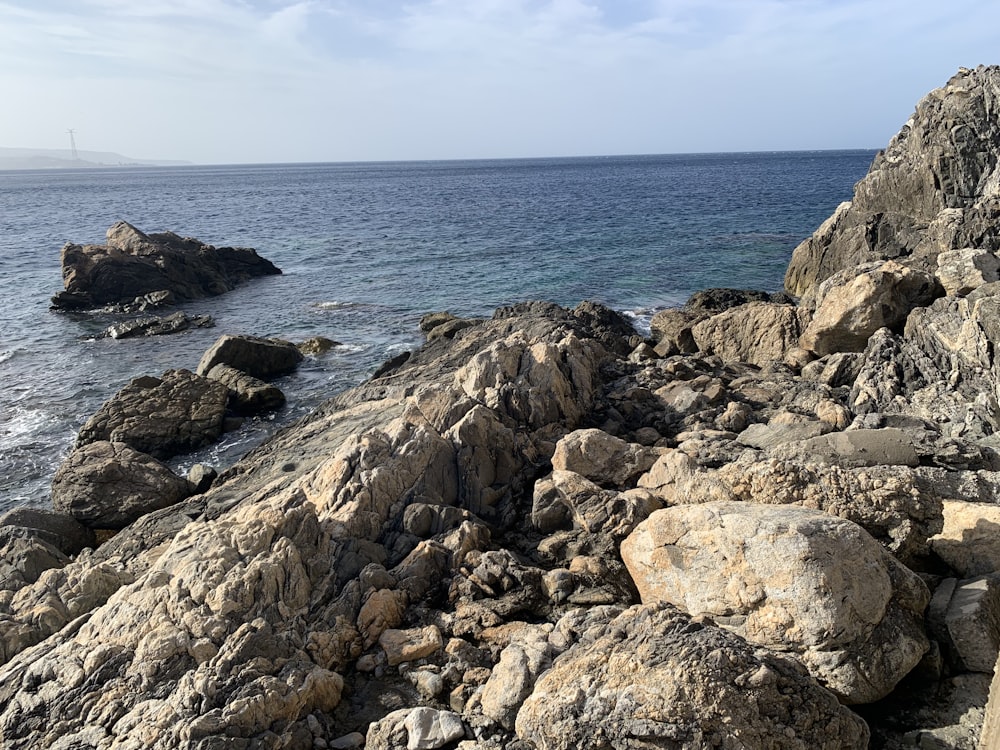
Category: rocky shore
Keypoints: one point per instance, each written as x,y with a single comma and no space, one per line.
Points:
774,524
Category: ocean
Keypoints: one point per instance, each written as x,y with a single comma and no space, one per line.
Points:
366,249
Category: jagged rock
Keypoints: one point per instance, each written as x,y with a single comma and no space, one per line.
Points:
60,530
316,345
788,579
652,677
24,557
853,304
107,485
158,326
969,542
163,417
409,645
514,676
602,458
714,301
201,477
963,270
672,330
756,332
972,621
248,394
257,357
931,190
132,264
834,370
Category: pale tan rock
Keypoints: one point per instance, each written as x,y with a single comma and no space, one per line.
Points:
602,458
514,675
964,269
990,737
756,332
382,610
790,579
973,622
853,449
853,304
651,677
970,539
409,645
834,414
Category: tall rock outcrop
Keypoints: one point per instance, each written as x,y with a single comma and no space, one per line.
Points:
935,188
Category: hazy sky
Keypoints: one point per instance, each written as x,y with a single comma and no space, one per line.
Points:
235,81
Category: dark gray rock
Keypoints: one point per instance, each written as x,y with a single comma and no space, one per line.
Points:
164,417
261,358
109,485
60,530
248,395
158,326
24,556
133,264
714,301
928,192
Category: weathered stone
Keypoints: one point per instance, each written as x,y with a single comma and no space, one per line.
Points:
970,539
853,449
163,417
316,345
60,530
133,264
854,303
765,436
972,620
260,358
672,330
108,485
652,677
248,394
788,579
930,190
514,676
962,270
409,645
756,333
990,737
717,300
24,557
429,729
201,477
602,458
157,326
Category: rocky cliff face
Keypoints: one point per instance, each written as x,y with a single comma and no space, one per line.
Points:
774,526
935,188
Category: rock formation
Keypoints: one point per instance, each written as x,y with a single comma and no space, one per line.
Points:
771,526
132,265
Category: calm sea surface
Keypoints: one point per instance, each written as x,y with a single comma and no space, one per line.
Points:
366,249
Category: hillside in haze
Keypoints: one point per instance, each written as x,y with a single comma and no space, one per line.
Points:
41,158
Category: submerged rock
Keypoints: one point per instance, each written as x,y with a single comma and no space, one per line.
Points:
132,264
158,326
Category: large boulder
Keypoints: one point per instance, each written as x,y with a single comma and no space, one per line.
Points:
933,189
177,413
793,580
108,485
248,394
132,264
60,530
756,332
258,357
855,303
654,678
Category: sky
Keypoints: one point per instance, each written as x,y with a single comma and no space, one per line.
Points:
255,81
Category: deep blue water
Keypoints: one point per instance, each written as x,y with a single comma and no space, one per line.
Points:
366,249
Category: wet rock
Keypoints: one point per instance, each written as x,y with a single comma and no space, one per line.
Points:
652,677
317,345
788,579
248,394
108,485
132,264
177,413
257,357
158,326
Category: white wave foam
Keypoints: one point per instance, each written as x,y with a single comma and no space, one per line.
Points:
24,423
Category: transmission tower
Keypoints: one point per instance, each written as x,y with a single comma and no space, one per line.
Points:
72,144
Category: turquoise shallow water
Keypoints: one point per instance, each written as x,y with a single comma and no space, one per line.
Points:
366,249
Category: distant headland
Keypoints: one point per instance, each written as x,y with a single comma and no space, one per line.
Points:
40,158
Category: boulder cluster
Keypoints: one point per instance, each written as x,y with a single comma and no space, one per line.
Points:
773,524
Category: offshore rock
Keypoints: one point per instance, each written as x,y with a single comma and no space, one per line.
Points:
108,485
933,189
248,394
177,413
654,678
158,326
260,358
132,264
791,579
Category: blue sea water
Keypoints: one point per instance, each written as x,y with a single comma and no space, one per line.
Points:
366,249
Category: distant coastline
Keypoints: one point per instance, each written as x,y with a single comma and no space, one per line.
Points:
39,158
